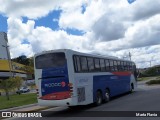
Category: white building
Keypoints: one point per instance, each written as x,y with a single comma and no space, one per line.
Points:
3,45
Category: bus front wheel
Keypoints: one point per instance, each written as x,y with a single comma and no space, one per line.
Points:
131,88
99,98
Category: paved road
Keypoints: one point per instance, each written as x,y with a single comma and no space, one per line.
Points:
146,98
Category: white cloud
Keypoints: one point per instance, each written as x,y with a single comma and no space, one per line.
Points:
46,39
79,20
17,33
106,29
140,34
146,9
40,38
22,49
32,9
111,27
141,56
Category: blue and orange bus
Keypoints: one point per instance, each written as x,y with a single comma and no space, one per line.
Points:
69,78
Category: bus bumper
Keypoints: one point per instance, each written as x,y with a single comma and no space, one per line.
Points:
64,102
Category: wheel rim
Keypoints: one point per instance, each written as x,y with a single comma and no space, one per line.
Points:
99,99
107,96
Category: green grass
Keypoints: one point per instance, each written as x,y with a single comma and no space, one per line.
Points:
157,81
147,78
17,100
143,78
158,77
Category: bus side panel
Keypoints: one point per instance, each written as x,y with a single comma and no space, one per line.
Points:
115,83
124,78
133,80
38,74
84,89
124,83
102,82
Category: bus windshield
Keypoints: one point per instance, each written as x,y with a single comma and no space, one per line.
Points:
50,60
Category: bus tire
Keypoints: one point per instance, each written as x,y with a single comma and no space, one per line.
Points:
98,98
106,96
131,88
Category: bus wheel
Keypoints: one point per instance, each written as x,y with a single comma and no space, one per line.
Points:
107,96
98,98
132,88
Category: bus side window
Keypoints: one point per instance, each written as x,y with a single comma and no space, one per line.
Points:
125,66
83,61
130,66
115,66
102,64
90,64
107,65
96,64
133,67
122,65
134,70
77,64
119,65
111,65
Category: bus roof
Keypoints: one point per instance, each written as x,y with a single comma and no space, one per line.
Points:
82,53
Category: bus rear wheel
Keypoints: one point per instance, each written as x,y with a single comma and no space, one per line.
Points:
107,96
98,98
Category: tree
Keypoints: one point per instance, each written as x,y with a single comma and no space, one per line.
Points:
7,85
31,62
151,72
22,59
28,69
10,84
18,82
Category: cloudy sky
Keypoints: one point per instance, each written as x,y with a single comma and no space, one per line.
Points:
109,27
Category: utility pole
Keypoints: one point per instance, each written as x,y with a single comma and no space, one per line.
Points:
150,63
9,60
130,56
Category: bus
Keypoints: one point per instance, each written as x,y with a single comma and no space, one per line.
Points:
69,78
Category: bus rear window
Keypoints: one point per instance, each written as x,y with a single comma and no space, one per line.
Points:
50,60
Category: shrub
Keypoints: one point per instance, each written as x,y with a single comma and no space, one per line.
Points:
153,82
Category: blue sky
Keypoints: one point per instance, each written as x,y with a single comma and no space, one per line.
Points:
3,23
106,27
51,21
48,21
